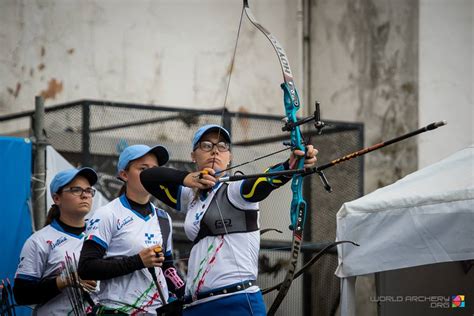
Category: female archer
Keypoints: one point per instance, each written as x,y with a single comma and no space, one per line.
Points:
124,243
40,277
222,222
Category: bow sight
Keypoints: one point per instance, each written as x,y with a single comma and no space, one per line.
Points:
316,117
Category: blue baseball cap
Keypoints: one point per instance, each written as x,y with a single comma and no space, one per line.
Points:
64,177
209,128
137,151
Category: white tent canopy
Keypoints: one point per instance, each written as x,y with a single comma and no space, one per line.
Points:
426,217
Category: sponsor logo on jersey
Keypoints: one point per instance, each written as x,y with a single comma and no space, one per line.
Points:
91,223
150,239
197,218
122,222
56,243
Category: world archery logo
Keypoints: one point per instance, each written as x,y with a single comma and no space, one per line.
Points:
150,239
57,243
457,301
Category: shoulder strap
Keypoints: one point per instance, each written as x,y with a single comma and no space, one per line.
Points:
164,223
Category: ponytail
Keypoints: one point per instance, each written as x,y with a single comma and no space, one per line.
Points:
123,189
53,214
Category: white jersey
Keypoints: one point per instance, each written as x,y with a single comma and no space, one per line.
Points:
218,261
125,232
42,257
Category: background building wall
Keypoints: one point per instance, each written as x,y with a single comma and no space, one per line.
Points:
165,52
395,66
389,64
365,69
446,82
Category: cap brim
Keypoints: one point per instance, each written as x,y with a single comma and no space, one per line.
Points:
161,154
89,174
219,130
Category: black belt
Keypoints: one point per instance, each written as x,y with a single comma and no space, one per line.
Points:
224,290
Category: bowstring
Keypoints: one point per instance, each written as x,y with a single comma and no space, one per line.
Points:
218,137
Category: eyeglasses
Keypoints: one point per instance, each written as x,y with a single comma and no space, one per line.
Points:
78,191
208,146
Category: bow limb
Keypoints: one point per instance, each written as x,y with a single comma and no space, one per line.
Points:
298,204
285,65
308,264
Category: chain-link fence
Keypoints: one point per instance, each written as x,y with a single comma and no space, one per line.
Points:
93,133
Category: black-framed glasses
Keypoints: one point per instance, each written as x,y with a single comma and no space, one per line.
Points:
78,191
207,146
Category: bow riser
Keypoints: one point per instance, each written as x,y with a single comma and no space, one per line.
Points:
297,143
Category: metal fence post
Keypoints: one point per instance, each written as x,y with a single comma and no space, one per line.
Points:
86,153
227,120
39,176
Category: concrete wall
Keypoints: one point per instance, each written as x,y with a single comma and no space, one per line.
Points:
367,63
396,66
167,52
446,76
365,69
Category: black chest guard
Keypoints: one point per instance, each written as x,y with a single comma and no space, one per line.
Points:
233,220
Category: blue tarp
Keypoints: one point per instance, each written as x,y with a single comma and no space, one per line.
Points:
15,225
